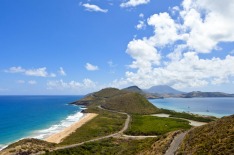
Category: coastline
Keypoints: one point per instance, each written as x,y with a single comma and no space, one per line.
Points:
36,116
58,137
197,106
42,134
191,122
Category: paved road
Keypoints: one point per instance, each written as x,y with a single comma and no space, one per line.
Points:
175,144
116,135
135,137
126,124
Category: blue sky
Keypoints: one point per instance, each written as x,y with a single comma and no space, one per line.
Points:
80,46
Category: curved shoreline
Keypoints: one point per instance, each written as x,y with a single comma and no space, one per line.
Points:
191,122
58,137
202,105
51,130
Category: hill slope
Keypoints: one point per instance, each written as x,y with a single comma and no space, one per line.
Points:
132,103
163,89
119,100
27,146
134,89
214,138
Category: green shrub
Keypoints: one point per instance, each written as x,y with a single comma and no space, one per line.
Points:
151,125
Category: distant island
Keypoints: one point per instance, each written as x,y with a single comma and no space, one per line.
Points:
206,94
164,91
125,122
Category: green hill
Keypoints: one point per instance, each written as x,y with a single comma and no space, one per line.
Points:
27,146
107,93
214,138
132,103
133,89
119,100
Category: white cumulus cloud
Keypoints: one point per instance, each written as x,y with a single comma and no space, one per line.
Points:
15,70
165,29
94,8
134,3
141,25
91,67
40,72
198,26
207,22
61,85
37,72
189,71
62,72
141,15
143,53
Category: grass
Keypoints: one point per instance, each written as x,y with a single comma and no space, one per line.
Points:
214,138
160,146
104,124
132,103
108,147
107,93
188,116
151,125
119,100
30,141
28,146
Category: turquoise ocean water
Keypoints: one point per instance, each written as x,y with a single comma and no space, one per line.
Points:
41,116
35,116
204,106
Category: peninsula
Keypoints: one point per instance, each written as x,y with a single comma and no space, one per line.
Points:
125,122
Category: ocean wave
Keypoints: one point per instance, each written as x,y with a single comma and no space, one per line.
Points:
2,147
56,128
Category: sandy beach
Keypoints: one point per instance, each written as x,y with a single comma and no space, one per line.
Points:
58,137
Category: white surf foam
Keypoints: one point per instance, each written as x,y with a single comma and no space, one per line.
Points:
2,147
42,134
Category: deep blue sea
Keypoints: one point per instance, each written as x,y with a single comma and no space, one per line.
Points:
35,116
204,106
41,116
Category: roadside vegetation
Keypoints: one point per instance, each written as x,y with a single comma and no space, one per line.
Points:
160,146
148,146
108,147
104,124
27,146
214,138
110,122
151,125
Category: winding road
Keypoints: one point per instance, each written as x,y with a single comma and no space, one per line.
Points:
120,134
127,121
175,144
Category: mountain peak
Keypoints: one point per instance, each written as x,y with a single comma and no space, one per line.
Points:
163,89
133,89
